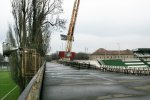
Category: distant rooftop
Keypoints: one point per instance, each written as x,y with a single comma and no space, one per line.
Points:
102,51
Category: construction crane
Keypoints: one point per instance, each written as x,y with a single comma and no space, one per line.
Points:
72,26
69,37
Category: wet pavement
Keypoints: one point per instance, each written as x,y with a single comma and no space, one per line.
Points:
67,83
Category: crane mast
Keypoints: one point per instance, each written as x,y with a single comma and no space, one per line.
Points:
71,27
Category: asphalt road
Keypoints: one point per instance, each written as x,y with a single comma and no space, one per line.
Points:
67,83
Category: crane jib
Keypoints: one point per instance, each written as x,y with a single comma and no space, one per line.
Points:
72,25
68,54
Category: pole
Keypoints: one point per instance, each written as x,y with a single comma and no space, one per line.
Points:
119,49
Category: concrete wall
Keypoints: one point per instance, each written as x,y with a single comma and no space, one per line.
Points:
123,57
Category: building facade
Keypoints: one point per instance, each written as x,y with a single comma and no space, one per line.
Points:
104,54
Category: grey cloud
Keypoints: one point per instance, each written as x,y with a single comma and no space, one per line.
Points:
104,22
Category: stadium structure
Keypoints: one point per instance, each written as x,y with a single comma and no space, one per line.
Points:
127,58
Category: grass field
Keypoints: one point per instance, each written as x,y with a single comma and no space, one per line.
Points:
8,89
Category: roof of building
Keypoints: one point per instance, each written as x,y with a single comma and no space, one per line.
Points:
142,50
102,51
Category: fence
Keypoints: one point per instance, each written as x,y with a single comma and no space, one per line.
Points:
105,68
4,66
33,89
31,62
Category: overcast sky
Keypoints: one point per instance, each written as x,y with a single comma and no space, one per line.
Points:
106,24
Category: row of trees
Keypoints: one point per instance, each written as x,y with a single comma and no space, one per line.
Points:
82,56
78,56
34,21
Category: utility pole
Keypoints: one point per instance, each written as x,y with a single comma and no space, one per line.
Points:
119,49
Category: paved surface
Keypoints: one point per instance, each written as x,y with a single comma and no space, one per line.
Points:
67,83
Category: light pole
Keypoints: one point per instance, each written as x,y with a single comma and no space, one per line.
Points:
119,49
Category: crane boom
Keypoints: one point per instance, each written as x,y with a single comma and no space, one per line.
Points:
72,26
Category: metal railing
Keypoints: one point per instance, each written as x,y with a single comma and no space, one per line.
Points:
33,89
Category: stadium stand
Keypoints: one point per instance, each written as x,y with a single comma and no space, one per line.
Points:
143,54
135,63
128,62
115,62
128,58
100,62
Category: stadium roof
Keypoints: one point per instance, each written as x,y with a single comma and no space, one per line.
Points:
142,50
102,51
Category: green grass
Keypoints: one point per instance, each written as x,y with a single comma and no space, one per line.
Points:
13,95
6,85
116,62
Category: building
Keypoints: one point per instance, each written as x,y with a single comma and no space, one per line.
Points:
102,53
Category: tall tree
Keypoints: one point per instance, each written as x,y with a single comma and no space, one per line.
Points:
35,20
81,56
32,21
15,62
